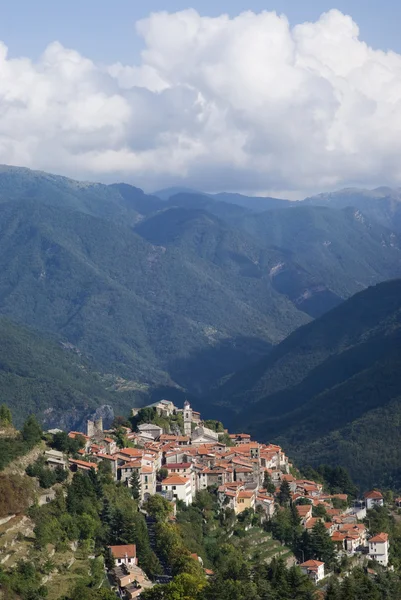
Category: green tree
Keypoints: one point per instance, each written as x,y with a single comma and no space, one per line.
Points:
284,495
135,483
157,507
6,419
268,483
31,431
323,547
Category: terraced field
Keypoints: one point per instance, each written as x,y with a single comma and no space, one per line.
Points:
262,547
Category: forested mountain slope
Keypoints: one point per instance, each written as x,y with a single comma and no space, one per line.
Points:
49,378
328,389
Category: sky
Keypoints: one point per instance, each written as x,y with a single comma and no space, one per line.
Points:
284,98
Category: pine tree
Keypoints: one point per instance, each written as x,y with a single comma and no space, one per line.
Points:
284,495
31,431
135,484
322,544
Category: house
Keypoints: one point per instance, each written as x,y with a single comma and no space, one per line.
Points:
124,555
266,503
314,569
245,499
373,498
378,548
178,487
55,459
81,465
305,512
149,429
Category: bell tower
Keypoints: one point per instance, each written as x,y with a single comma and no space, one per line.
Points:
187,418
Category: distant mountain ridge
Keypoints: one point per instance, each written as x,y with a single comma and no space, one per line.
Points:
332,387
178,292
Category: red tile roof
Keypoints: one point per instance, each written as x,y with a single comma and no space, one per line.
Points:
374,494
175,480
380,538
128,550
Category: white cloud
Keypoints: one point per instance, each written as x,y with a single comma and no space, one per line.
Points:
216,103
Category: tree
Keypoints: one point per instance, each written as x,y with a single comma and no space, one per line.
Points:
333,590
135,483
162,474
323,547
268,483
31,431
157,507
284,495
6,419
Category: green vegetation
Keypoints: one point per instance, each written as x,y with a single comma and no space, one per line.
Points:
330,393
150,415
47,477
163,293
17,444
37,374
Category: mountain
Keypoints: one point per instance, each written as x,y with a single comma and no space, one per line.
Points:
254,203
139,308
48,377
382,204
175,294
331,391
231,213
167,193
120,202
328,254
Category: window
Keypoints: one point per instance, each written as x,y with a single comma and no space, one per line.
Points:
174,487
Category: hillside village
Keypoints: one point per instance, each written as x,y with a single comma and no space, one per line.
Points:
247,475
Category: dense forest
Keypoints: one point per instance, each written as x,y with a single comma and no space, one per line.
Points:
331,391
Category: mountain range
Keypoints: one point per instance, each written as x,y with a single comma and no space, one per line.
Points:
331,391
178,292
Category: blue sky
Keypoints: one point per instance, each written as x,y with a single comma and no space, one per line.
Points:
104,30
250,102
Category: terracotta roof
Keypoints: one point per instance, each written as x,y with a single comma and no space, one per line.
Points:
83,463
312,565
107,456
177,466
337,536
245,494
133,464
131,451
175,480
374,495
380,538
128,550
74,434
304,509
310,523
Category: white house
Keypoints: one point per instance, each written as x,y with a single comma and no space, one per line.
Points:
179,487
373,498
314,569
378,548
124,555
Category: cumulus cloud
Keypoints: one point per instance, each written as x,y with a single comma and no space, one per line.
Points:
244,103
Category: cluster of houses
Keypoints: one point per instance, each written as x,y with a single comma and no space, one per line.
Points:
177,465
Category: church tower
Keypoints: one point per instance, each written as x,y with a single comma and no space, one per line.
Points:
187,418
